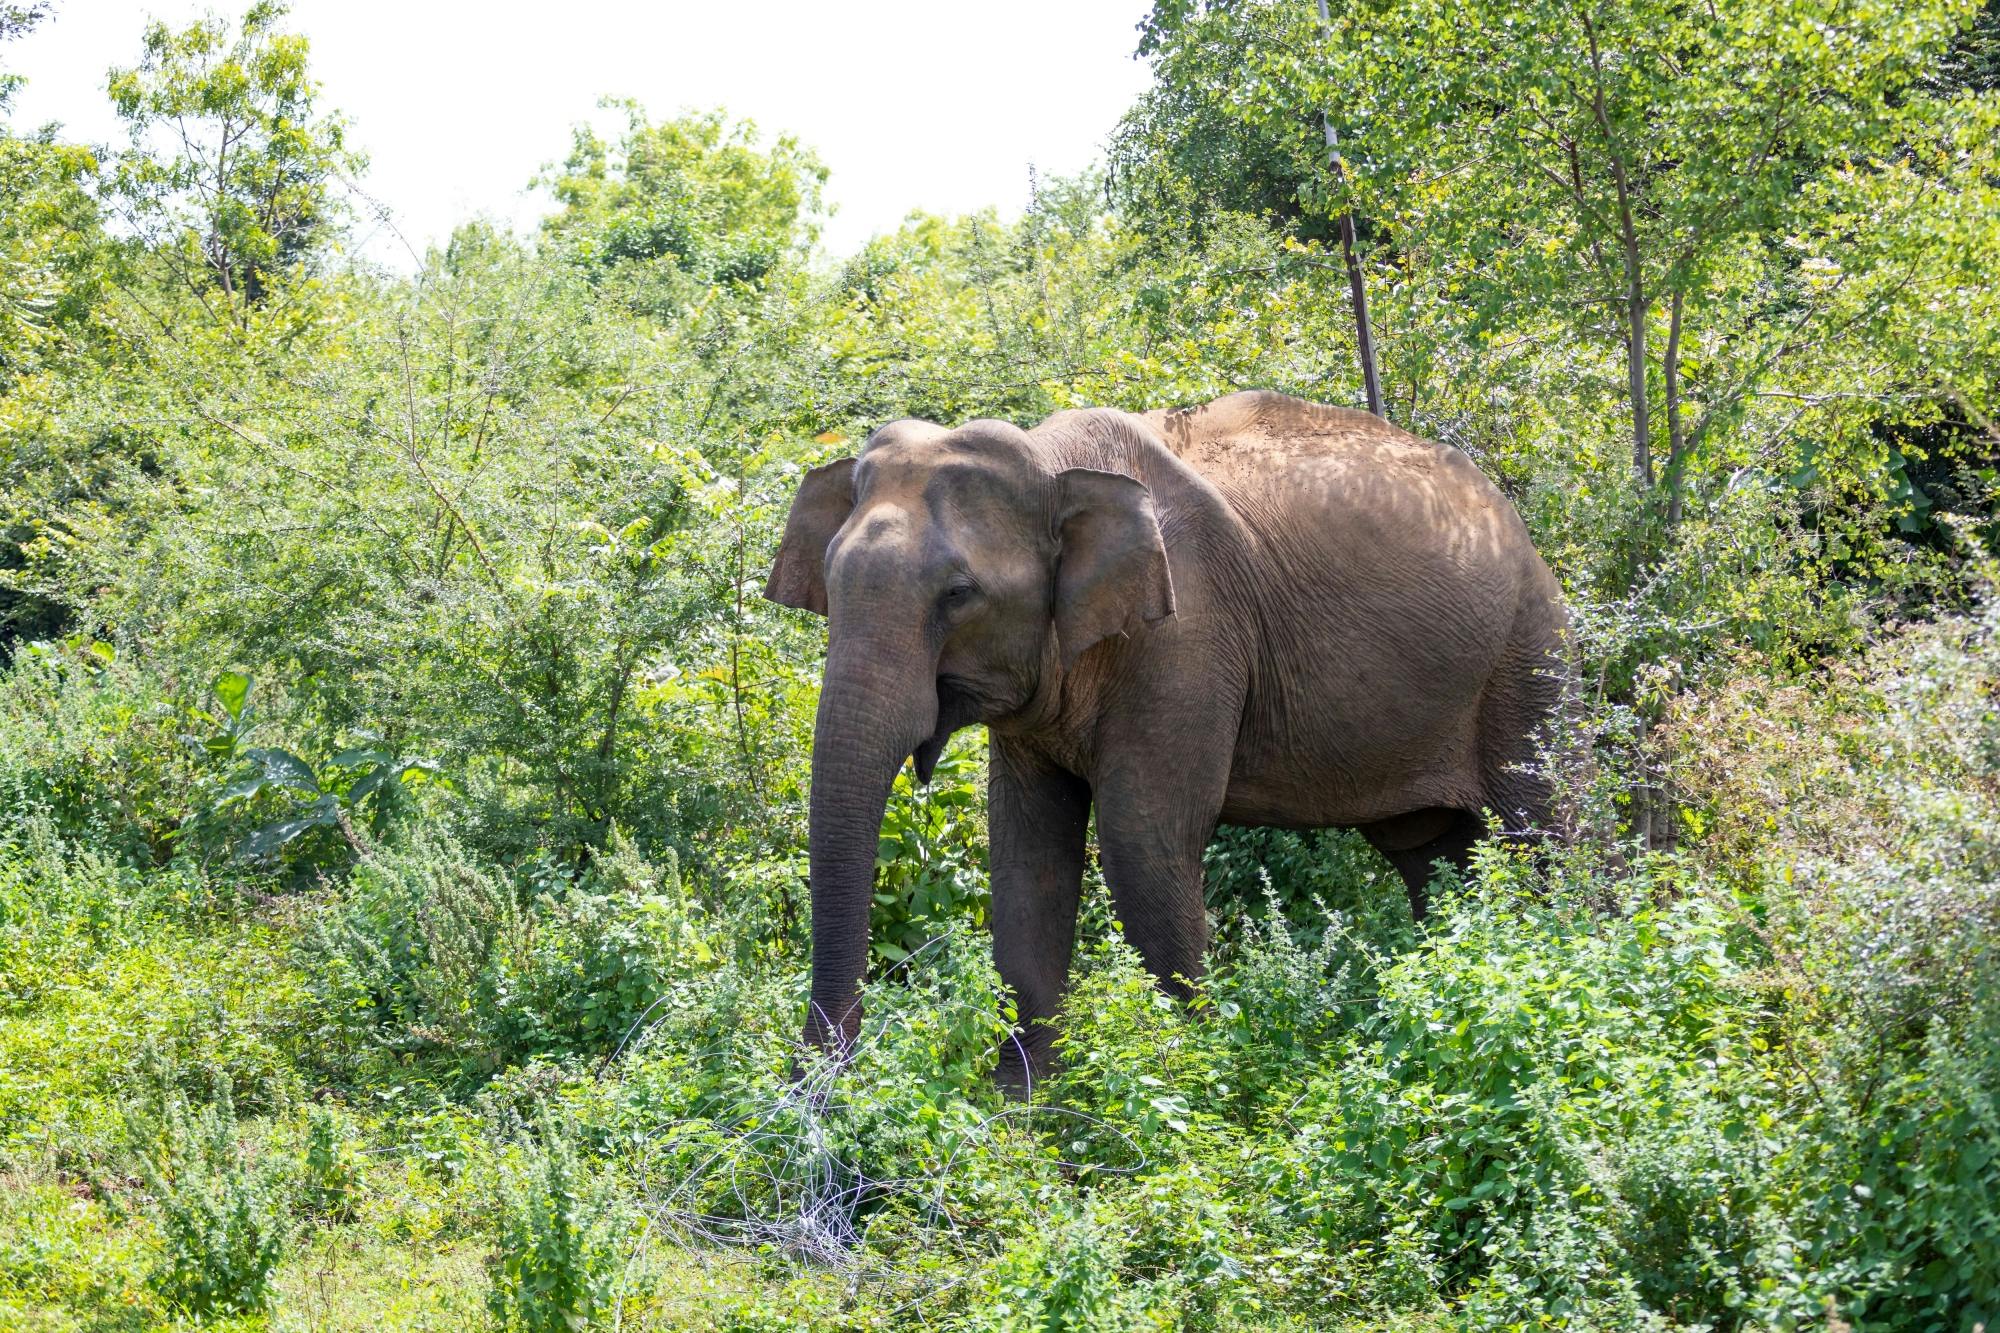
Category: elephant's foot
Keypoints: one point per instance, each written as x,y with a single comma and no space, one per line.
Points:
1025,1062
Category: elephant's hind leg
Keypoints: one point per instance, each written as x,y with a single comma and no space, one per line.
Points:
1416,842
1523,712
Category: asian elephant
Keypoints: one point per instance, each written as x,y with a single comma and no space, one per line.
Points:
1262,611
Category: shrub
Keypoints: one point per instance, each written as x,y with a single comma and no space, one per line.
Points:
92,742
1279,1006
66,903
1066,1275
220,1236
902,1137
556,1264
404,955
1897,1175
330,1167
931,861
430,952
1525,1069
60,904
1131,1065
1856,821
1312,878
1192,1244
600,951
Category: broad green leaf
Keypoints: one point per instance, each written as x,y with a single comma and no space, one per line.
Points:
233,689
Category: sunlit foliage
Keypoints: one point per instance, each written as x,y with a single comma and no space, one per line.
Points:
403,914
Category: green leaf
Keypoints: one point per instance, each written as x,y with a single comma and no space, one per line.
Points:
242,789
285,769
233,689
358,756
268,840
366,784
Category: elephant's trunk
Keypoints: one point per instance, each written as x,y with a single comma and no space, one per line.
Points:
878,702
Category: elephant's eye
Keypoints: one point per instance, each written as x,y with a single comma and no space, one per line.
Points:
957,593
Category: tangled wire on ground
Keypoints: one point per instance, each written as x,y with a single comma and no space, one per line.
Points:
782,1177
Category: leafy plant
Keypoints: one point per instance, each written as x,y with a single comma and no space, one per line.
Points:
930,862
408,954
330,1168
360,787
603,948
365,780
228,738
556,1266
1067,1276
220,1235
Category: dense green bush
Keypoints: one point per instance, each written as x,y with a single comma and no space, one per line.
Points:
1309,876
96,746
59,902
1069,1276
557,1263
329,1180
429,952
931,858
221,1235
1856,826
1279,1006
1520,1063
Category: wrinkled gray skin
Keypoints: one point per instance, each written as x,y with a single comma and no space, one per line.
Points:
1262,611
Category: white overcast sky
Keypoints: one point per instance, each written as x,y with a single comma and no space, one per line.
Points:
937,106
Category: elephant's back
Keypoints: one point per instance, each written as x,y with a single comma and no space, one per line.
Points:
1392,579
1259,431
1313,484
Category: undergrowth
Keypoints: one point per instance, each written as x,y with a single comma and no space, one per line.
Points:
1745,1084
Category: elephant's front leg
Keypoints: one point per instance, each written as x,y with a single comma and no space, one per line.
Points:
1036,820
1156,810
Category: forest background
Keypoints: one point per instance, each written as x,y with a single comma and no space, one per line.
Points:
402,904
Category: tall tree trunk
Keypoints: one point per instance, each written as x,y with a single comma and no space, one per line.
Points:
1635,280
1357,287
1635,371
1670,371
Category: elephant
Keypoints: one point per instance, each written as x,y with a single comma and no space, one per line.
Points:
1261,611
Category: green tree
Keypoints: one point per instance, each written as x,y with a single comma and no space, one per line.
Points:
1619,172
52,252
50,244
1973,61
1185,157
1643,155
674,208
228,181
17,21
49,234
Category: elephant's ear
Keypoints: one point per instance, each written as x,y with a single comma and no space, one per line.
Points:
825,499
1111,569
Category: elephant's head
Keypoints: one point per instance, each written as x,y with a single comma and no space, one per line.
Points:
961,579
